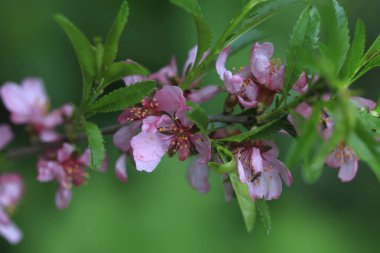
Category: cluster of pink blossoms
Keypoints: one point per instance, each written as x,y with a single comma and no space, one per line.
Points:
158,126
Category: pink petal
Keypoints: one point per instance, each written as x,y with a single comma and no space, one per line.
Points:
227,188
301,85
221,62
363,103
15,101
203,146
348,170
260,61
35,93
204,94
121,169
63,197
273,184
49,170
10,232
277,79
122,138
242,176
148,149
166,74
170,99
85,158
49,136
181,115
129,80
11,189
65,152
6,135
233,83
257,160
197,176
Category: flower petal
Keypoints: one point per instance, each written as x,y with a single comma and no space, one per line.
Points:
204,94
197,176
148,149
348,170
121,168
63,197
170,99
221,62
11,189
10,232
260,61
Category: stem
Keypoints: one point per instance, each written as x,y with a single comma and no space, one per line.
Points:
28,150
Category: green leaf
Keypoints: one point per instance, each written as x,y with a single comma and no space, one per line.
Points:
229,162
265,10
303,42
199,117
84,51
204,32
123,98
356,51
263,209
119,70
370,121
112,42
257,133
338,43
247,205
366,147
370,60
308,134
96,144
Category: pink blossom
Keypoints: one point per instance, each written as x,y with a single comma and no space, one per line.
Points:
6,135
68,168
301,85
29,104
11,191
165,134
264,70
238,84
346,160
260,169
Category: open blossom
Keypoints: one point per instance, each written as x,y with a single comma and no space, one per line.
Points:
346,160
165,134
29,104
11,191
260,169
68,168
168,75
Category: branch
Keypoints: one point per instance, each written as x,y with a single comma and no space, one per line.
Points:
38,148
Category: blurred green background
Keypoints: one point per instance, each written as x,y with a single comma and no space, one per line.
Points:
159,212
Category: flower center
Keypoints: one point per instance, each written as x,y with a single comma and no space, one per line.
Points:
74,172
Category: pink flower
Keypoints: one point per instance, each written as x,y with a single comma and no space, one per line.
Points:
346,160
11,191
67,167
301,85
239,84
260,169
29,104
161,135
6,135
264,70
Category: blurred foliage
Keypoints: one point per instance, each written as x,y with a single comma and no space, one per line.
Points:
160,212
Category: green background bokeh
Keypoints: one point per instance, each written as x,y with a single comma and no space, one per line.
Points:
159,212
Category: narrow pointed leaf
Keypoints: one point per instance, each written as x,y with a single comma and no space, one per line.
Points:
247,205
112,43
84,50
123,98
204,33
356,51
303,42
263,210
